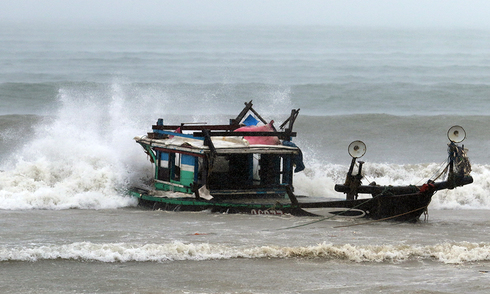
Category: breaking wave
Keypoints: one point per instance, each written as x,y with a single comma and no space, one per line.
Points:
83,155
450,253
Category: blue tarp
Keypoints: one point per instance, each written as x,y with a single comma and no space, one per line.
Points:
298,159
250,121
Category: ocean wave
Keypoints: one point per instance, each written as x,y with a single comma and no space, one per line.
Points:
95,182
83,156
449,253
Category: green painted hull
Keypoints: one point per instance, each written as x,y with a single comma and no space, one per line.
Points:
255,206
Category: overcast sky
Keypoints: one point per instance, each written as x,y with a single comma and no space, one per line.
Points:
393,13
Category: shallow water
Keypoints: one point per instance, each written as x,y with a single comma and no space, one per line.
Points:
134,250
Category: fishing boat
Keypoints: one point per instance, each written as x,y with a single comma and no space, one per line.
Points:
247,166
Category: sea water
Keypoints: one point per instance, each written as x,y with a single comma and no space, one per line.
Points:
72,99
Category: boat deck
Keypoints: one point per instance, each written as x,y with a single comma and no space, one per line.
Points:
267,199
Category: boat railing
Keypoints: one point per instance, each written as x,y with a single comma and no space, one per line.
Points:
286,135
252,191
203,130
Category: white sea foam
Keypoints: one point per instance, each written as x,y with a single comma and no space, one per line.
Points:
83,157
473,196
127,252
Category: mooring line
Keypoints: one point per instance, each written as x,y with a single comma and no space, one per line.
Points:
354,207
382,219
325,218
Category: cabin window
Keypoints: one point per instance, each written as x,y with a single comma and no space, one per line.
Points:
270,169
163,166
175,166
255,169
235,171
221,164
232,171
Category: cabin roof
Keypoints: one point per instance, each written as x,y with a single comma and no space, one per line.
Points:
222,145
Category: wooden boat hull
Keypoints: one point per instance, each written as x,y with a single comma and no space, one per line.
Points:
268,206
407,207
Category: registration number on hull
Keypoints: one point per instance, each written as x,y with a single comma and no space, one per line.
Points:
267,211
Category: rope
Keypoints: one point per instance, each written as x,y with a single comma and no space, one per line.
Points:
444,171
332,216
374,197
426,215
303,225
382,219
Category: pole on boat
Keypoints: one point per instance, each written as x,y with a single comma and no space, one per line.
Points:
291,119
242,114
291,195
353,181
356,149
457,156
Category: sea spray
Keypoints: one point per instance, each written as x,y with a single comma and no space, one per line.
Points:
83,157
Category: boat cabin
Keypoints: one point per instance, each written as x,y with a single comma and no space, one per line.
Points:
242,159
